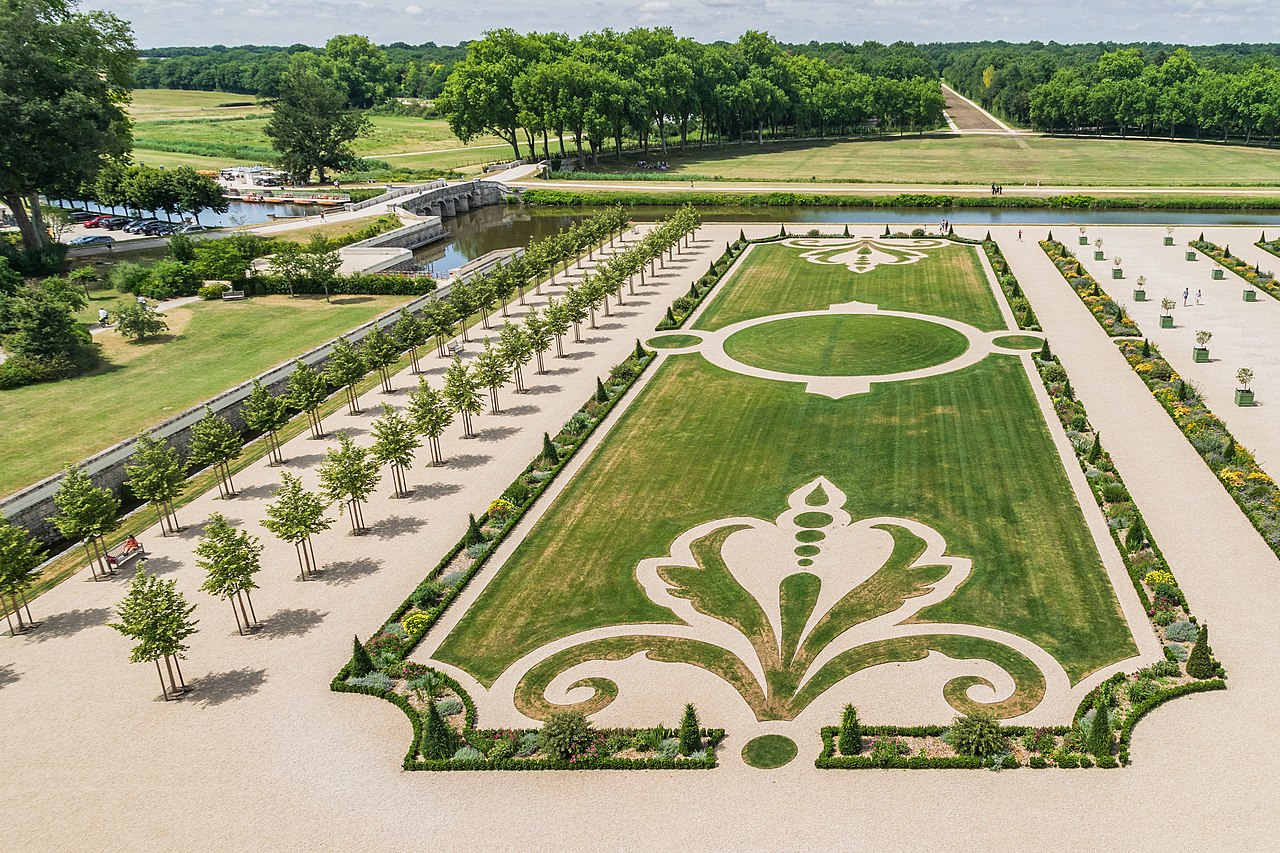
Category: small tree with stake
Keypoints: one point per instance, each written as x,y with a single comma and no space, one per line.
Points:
155,475
86,513
230,559
430,415
394,441
346,367
491,371
462,393
379,351
689,733
266,414
155,614
294,517
348,475
215,442
537,331
136,322
20,557
411,333
516,351
306,392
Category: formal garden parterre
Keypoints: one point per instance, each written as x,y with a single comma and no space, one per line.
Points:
781,695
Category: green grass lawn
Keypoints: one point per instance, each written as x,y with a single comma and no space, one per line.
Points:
773,279
846,345
967,453
212,346
1012,161
769,751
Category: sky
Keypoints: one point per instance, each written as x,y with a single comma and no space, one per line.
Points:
158,23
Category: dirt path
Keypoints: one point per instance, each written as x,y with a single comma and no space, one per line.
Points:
968,117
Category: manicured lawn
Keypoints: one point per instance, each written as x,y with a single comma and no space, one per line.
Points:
967,453
769,751
774,279
212,346
672,341
162,104
1006,160
845,345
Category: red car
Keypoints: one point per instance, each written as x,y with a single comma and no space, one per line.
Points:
97,222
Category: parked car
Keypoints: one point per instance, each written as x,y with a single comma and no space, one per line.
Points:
81,215
96,222
115,223
93,240
153,229
192,229
140,225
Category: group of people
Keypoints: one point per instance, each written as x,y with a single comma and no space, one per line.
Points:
1186,294
998,189
944,227
661,165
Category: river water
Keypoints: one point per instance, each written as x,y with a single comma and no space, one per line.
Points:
500,227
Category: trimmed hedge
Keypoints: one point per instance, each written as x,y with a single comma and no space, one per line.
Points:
610,762
1252,276
682,307
1110,315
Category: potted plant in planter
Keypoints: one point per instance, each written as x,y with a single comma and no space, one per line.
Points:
1116,272
1140,292
1191,256
1244,395
1250,295
1166,319
1097,249
1084,240
1217,272
1168,236
1200,353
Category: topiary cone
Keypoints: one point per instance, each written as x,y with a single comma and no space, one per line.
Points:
689,734
850,738
1200,663
361,664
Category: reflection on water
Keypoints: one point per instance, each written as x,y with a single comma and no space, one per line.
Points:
508,226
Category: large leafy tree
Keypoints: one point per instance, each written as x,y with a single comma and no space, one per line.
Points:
230,558
348,475
294,517
361,68
479,95
155,475
155,614
20,558
64,79
313,125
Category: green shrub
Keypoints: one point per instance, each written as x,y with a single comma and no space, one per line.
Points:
1141,690
468,753
977,734
1200,663
669,747
127,277
648,740
1182,632
169,279
1100,733
211,292
690,738
528,744
501,749
565,733
850,737
361,663
439,741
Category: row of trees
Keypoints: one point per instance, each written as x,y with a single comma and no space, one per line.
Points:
1109,87
145,189
649,85
1121,92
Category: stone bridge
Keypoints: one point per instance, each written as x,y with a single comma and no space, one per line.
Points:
454,199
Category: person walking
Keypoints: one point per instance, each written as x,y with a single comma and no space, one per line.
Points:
1186,294
1019,235
1198,302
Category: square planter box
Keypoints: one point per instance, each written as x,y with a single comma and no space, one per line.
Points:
1217,275
1168,241
1084,241
1243,397
1117,273
1191,256
1166,321
1200,355
1097,256
1139,296
1250,295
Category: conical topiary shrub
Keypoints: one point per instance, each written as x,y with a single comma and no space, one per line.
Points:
846,233
1045,353
361,664
1049,239
640,352
1200,663
474,535
850,738
439,741
1100,733
549,453
602,396
689,734
1095,452
670,318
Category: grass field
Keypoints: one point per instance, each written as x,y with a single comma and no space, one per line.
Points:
1013,161
967,453
845,345
211,347
195,128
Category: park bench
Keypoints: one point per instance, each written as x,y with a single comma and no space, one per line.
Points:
117,558
230,295
454,348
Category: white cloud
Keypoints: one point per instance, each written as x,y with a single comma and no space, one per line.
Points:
413,10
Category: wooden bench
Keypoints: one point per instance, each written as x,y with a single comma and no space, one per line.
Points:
118,557
230,295
454,348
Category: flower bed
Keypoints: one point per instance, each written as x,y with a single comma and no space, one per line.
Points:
1235,467
390,647
1253,276
1110,314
